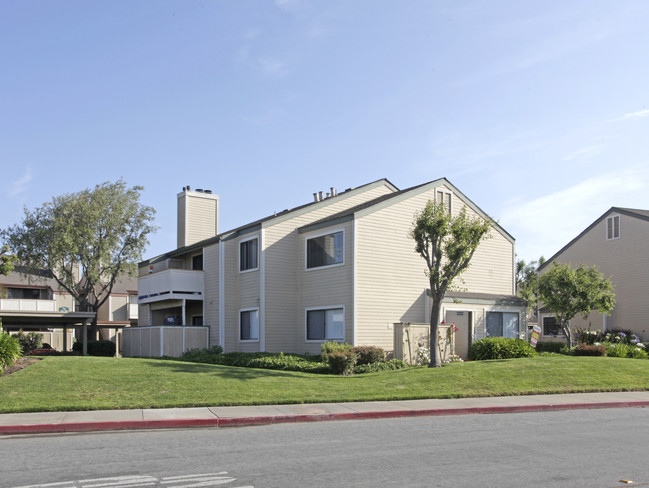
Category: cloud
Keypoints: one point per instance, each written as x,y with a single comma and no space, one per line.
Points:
636,115
587,152
273,67
544,225
20,185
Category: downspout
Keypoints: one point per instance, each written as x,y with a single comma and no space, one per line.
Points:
354,282
262,291
221,295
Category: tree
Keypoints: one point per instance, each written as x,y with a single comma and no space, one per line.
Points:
6,260
527,280
447,245
569,292
85,240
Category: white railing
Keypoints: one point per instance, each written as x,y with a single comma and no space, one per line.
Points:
27,305
171,283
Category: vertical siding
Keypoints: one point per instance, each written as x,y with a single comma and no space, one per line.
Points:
284,318
391,280
625,261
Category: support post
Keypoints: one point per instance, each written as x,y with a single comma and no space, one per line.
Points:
65,339
85,338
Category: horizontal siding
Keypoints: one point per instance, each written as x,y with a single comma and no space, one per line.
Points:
211,297
391,280
201,219
625,261
284,319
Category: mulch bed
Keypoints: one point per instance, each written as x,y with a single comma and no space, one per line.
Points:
20,364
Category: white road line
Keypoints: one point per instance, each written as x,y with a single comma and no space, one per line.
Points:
205,480
119,481
61,484
188,476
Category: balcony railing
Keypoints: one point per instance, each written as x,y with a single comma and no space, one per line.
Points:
27,305
170,284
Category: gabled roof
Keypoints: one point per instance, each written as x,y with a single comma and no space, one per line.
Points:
385,200
255,225
630,212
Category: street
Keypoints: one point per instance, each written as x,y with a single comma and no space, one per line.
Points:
578,448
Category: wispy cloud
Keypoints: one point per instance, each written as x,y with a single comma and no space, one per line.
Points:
587,152
20,185
636,115
272,67
550,222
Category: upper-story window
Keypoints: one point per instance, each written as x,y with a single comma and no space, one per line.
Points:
444,197
325,250
29,293
613,227
197,262
248,254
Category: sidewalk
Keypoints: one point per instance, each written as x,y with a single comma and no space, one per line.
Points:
101,420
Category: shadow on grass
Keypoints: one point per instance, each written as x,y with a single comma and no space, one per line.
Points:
228,372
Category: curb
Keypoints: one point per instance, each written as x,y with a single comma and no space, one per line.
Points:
265,420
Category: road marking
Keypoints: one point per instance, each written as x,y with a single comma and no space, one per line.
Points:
205,480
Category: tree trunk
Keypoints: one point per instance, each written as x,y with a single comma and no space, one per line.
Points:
435,359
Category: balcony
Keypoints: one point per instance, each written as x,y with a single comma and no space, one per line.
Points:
27,305
170,284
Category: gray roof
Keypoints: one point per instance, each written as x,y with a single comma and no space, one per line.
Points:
631,212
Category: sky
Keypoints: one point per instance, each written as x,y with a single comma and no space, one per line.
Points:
537,111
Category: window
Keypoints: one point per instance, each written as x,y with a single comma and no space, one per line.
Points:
27,293
248,254
326,250
197,320
197,262
444,198
503,324
325,325
613,227
551,327
249,325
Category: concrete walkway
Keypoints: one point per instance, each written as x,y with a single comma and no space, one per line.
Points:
100,420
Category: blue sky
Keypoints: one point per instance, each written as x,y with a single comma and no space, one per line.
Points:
538,111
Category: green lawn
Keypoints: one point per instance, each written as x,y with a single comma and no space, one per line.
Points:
89,383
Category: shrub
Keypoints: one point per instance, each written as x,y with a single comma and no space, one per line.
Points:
201,355
342,362
616,350
390,365
97,348
589,350
332,346
552,346
289,362
10,350
588,336
500,348
637,353
29,341
369,355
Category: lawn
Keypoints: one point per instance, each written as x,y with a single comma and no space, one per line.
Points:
90,383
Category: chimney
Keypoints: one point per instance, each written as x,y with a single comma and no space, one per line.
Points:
198,216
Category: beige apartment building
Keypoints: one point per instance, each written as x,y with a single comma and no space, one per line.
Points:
617,244
342,267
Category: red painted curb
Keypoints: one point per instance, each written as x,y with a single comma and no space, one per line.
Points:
264,420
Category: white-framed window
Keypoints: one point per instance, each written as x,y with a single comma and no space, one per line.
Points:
612,227
249,325
197,262
325,324
249,254
445,198
325,250
503,324
551,327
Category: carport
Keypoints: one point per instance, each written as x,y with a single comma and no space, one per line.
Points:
49,320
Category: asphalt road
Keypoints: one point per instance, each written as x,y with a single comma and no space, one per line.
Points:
581,448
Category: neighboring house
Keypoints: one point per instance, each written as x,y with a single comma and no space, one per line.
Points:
342,268
37,303
617,244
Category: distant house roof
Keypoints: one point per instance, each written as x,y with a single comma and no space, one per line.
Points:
631,212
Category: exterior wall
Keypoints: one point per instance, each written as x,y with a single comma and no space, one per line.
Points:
390,279
283,314
625,261
327,287
118,307
197,217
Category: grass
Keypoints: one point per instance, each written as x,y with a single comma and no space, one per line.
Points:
92,383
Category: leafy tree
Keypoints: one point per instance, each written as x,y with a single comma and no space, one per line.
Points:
85,240
569,292
447,245
6,260
527,280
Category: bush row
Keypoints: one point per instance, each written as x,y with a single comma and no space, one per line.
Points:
10,350
500,348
